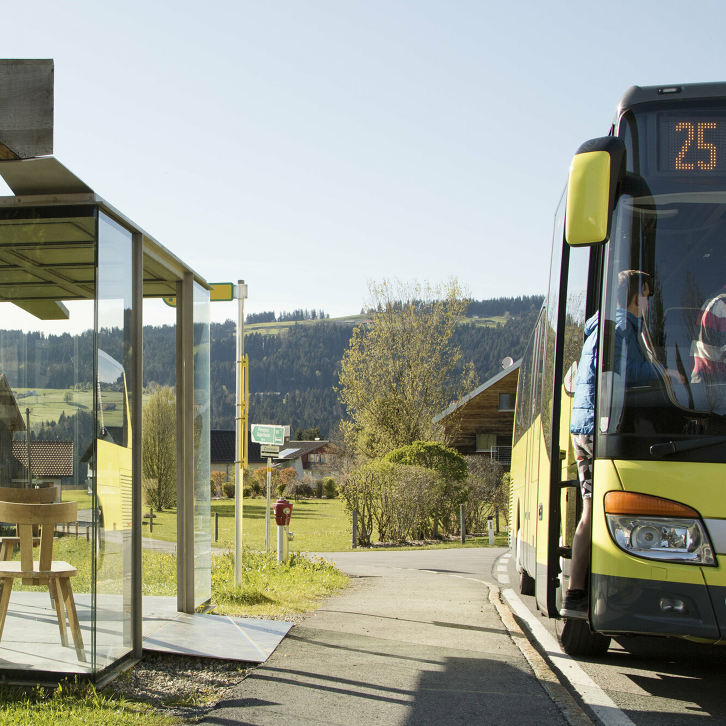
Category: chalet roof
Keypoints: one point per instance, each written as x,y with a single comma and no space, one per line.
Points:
9,411
47,458
295,449
222,443
477,391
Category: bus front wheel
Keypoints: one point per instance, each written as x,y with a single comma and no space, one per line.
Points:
578,640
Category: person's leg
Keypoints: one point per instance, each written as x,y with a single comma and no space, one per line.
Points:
575,603
581,548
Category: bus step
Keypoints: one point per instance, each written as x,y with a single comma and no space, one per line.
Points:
565,552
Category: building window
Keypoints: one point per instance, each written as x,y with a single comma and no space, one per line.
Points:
507,401
486,442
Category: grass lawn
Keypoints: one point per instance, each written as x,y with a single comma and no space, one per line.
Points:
319,525
73,705
78,495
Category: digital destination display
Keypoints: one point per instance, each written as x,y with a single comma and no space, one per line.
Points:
692,145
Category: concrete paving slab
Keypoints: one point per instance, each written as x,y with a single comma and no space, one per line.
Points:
218,636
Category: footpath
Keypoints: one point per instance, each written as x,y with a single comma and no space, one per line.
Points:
414,641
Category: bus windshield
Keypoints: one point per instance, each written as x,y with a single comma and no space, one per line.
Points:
663,321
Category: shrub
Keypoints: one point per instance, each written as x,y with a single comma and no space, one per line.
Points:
255,488
246,491
319,488
329,487
281,488
228,489
299,489
218,478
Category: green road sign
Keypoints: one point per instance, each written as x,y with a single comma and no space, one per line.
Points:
263,434
220,292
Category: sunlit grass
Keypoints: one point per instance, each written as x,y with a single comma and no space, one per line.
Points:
270,589
73,705
319,525
78,495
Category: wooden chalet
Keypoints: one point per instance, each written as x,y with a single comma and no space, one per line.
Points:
483,421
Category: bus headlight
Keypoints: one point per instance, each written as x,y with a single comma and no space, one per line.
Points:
662,538
657,529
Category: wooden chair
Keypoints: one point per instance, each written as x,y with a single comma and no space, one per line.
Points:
24,496
55,574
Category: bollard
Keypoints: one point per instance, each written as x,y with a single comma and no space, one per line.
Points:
490,524
462,523
283,512
216,526
355,528
151,519
76,530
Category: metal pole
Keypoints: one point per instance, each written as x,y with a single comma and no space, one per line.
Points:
216,526
151,520
27,445
355,528
240,434
267,511
462,524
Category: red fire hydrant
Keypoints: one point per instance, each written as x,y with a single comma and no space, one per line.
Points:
283,512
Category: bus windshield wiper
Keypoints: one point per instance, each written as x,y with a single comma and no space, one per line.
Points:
673,447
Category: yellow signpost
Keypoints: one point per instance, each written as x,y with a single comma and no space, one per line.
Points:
220,292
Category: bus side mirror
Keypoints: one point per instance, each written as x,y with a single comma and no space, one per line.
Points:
597,169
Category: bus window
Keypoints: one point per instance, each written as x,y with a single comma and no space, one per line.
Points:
664,358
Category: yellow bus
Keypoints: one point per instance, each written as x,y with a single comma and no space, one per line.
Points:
113,447
649,198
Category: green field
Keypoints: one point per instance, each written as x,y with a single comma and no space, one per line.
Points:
47,404
319,525
277,328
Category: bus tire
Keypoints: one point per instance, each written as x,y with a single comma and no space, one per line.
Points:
526,583
578,640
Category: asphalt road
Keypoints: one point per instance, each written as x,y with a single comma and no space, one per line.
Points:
654,681
415,641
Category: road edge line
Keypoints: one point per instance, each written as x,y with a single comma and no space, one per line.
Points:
560,696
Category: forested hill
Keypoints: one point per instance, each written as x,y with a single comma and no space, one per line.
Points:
293,368
292,374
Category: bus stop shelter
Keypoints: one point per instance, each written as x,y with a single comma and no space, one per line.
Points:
74,272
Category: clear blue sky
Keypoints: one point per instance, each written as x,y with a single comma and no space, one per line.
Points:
308,146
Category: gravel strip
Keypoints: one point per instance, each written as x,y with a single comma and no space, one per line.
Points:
183,686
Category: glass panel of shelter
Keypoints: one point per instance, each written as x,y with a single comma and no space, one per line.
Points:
47,273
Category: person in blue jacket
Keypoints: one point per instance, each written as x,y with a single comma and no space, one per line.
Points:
633,294
582,428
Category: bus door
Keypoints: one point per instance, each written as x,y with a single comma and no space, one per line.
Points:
570,302
580,280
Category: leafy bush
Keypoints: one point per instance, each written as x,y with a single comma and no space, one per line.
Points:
280,489
319,488
228,489
329,488
246,491
299,490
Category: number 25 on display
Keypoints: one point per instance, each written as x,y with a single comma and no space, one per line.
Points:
694,133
